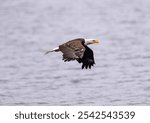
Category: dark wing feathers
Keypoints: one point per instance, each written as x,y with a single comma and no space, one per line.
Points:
76,50
72,50
88,58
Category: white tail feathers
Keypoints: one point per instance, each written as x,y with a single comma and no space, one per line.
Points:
53,50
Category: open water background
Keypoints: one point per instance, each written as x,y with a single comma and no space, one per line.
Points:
121,75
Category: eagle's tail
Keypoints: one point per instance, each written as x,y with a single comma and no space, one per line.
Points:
53,50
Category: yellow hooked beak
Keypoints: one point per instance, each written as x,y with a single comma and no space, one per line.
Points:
96,41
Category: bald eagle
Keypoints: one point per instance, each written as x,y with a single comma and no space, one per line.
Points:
77,49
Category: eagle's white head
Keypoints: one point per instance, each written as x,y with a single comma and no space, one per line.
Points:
91,41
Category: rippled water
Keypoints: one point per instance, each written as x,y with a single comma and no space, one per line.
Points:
121,75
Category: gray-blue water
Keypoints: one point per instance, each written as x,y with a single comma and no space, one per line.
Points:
121,75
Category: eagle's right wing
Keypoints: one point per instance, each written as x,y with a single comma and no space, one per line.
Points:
72,50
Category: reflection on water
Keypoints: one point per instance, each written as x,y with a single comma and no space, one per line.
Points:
29,28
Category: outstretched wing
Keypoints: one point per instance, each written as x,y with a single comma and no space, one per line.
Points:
88,58
72,50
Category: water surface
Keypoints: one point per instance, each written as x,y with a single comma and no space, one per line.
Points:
121,75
